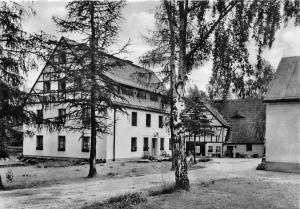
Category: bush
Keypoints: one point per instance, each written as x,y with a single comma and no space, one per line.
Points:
261,166
165,189
255,155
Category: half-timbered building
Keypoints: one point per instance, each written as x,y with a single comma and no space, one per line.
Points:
140,129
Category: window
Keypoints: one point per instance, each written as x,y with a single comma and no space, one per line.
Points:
127,91
61,85
77,83
249,147
40,116
162,144
160,121
146,144
141,95
170,143
62,58
134,118
62,115
39,142
148,120
210,148
133,144
47,86
153,97
61,143
218,149
85,144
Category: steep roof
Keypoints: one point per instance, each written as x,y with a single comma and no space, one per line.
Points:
246,119
128,73
285,85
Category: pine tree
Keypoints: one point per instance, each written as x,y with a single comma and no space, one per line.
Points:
97,22
18,53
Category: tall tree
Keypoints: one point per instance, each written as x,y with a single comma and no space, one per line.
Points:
196,25
97,22
18,53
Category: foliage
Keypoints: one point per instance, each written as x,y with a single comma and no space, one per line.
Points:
87,66
18,53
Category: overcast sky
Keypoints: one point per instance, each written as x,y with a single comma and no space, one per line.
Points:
139,19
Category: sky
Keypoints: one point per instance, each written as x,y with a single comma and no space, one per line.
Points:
138,20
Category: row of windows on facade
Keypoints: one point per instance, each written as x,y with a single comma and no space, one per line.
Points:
148,120
211,149
85,147
146,144
126,91
85,117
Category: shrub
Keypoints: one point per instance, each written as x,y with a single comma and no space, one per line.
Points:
165,189
9,175
255,155
111,174
261,166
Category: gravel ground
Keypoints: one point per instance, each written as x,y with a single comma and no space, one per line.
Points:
77,194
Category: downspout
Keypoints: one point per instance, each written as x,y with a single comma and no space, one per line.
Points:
114,138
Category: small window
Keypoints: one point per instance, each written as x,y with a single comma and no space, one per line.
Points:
85,144
153,97
148,120
39,142
162,144
62,59
133,144
146,144
40,116
61,85
61,143
127,91
47,86
141,95
134,118
210,148
170,143
62,115
218,149
160,121
77,83
248,147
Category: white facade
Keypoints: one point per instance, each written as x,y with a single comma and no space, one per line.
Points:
124,131
283,133
242,149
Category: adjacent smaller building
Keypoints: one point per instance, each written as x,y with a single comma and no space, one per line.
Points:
283,117
247,126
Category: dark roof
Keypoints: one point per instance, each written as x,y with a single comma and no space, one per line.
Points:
246,119
128,73
285,85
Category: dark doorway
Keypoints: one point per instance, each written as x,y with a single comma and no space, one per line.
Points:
229,152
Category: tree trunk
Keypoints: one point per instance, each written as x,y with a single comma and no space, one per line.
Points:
170,14
195,161
181,174
93,171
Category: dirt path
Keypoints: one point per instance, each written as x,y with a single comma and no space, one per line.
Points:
75,195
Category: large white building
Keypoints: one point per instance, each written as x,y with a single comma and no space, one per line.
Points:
132,133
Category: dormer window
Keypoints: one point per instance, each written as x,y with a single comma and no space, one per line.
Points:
141,95
62,58
237,115
153,97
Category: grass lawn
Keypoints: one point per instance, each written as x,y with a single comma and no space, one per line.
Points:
32,176
230,193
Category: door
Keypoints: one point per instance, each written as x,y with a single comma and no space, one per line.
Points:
154,147
202,149
230,151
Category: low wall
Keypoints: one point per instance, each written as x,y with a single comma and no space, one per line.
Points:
283,167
